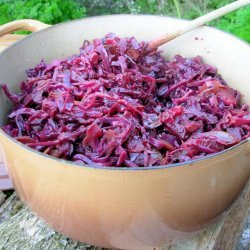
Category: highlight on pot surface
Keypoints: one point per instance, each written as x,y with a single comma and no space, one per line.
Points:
118,103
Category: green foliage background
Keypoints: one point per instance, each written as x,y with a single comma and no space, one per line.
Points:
48,11
56,11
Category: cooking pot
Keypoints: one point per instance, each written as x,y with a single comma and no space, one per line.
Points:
129,208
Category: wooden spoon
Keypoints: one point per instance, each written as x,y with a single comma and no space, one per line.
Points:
200,21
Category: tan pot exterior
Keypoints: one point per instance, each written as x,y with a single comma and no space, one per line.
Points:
124,208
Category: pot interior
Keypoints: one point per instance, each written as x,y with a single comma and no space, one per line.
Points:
227,53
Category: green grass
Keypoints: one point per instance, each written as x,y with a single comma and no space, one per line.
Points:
237,23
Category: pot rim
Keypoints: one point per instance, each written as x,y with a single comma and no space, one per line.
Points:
74,164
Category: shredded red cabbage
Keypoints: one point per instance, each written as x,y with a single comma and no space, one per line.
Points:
119,104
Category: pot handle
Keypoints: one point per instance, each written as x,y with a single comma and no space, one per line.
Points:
5,182
23,24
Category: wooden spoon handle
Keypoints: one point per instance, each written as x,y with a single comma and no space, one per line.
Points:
200,21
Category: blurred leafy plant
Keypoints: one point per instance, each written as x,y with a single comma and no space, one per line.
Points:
237,23
150,6
105,7
48,11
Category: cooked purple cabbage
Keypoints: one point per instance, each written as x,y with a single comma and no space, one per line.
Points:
119,104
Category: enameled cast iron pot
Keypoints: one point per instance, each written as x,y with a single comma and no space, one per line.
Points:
122,207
